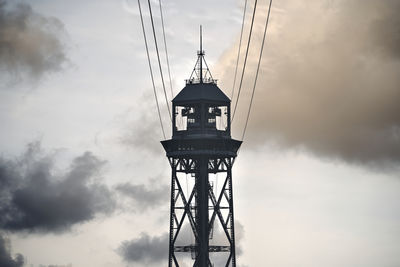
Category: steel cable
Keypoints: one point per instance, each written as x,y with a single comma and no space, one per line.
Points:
151,70
166,49
238,54
158,58
258,68
245,59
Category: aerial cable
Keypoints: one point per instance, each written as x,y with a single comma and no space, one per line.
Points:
151,70
166,50
240,45
258,68
245,58
158,58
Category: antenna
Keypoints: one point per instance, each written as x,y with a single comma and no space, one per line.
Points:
201,39
200,75
201,54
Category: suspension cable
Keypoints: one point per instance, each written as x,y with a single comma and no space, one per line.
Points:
245,58
151,70
158,58
166,49
258,68
240,45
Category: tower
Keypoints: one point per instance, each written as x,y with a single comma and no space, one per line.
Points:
201,154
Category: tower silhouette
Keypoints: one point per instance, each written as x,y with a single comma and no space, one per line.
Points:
201,154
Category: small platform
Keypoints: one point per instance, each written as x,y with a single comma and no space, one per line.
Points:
193,147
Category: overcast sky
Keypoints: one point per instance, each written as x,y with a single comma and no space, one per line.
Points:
84,180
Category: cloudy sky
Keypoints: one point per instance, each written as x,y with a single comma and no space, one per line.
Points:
84,180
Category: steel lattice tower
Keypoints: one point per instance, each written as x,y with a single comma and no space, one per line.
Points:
201,154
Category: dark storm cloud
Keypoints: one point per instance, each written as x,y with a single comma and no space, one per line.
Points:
35,198
6,260
145,196
330,80
145,249
30,43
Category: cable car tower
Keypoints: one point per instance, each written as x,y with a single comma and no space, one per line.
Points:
201,154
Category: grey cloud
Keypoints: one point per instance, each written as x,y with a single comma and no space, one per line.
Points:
329,82
35,198
145,249
143,133
141,130
6,260
30,44
154,250
144,196
239,234
219,237
384,27
138,127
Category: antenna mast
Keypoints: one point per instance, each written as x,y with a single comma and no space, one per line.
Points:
200,75
201,54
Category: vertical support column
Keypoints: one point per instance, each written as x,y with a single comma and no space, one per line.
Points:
202,212
174,128
203,117
172,212
232,218
228,119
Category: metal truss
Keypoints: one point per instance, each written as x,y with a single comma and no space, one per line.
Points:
185,209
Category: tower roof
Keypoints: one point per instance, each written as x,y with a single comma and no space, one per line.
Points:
194,92
201,86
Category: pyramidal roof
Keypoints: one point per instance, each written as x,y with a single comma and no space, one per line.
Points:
201,86
194,92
